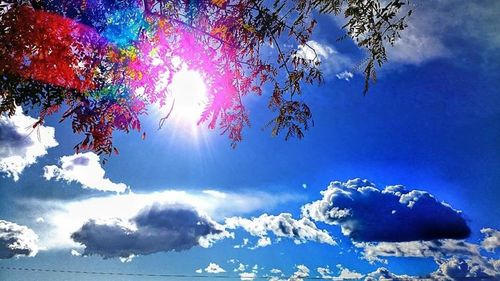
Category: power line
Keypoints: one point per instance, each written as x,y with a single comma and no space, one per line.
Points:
141,274
136,274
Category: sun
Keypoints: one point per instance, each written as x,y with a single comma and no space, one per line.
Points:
189,96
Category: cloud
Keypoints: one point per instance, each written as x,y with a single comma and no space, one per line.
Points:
345,75
241,267
418,44
282,225
16,240
330,60
435,26
248,276
457,268
344,273
314,51
154,229
436,248
62,218
199,271
214,268
456,260
491,240
383,273
20,144
300,274
85,169
394,214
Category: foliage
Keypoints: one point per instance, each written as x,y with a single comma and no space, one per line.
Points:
105,60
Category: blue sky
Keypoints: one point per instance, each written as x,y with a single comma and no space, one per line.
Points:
431,124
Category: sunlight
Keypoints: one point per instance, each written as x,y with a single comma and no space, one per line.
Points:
186,99
189,94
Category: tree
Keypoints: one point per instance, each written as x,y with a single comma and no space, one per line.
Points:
100,60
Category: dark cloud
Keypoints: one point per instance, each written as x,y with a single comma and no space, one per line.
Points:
395,214
11,141
154,229
16,240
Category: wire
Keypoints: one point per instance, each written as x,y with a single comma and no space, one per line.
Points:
209,276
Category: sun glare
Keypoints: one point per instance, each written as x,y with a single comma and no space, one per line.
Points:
189,94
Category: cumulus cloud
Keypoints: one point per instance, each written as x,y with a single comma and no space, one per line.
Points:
85,169
300,274
314,51
154,229
383,273
21,144
344,273
491,240
394,214
17,240
214,268
282,225
457,268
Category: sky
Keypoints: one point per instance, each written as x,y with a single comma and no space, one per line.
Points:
400,183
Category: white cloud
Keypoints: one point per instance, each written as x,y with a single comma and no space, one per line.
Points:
470,268
247,276
435,248
214,268
282,225
241,267
300,274
418,44
17,240
21,144
331,61
344,273
199,271
491,240
75,253
242,245
345,75
85,169
314,51
383,273
276,271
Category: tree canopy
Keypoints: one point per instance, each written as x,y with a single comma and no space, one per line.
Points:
104,62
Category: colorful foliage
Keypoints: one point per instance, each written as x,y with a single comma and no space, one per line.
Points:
106,61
